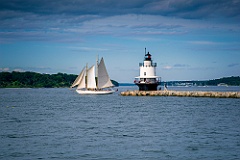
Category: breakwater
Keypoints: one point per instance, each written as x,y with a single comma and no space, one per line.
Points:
210,94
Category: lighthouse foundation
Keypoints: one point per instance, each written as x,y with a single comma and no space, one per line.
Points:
147,84
147,87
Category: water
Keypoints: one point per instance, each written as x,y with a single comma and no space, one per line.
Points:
60,124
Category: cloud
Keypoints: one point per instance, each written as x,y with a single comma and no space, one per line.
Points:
167,67
11,69
18,70
67,31
157,26
71,20
83,10
4,69
180,66
174,8
176,66
204,42
191,9
87,49
24,69
233,65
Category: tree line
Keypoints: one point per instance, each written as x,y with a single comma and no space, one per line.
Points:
231,81
37,80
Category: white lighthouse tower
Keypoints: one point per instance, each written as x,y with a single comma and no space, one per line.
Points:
147,81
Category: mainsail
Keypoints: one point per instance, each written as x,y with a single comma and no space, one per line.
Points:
91,82
79,78
103,78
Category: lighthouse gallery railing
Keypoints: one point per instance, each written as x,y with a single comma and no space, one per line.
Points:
152,65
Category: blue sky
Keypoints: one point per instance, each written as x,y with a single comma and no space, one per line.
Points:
189,39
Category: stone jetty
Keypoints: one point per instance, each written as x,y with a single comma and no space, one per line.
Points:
210,94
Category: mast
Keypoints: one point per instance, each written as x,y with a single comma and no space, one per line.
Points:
97,65
97,70
86,76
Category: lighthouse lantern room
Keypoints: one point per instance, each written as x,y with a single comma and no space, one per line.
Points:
147,81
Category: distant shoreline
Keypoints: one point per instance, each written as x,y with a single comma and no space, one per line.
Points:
37,80
120,85
63,80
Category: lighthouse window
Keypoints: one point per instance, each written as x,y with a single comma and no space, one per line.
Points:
144,73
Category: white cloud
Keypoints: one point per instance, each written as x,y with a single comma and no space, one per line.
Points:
18,70
11,69
167,67
4,69
87,49
204,42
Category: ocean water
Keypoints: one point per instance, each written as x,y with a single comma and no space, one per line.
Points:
61,124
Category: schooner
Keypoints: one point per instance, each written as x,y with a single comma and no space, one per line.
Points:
87,83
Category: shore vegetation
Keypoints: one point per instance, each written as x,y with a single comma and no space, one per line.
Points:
37,80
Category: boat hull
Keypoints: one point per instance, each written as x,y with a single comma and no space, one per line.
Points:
100,92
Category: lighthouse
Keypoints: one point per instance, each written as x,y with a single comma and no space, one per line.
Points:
148,80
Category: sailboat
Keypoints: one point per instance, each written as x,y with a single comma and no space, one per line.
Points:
87,83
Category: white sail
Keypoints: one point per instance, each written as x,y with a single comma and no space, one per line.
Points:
78,79
82,83
87,84
103,78
91,82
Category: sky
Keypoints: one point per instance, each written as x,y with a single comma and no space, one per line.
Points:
188,39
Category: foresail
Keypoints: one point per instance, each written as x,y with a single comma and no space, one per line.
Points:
82,83
78,79
103,78
91,82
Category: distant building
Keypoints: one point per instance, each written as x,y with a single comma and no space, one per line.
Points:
147,81
222,84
